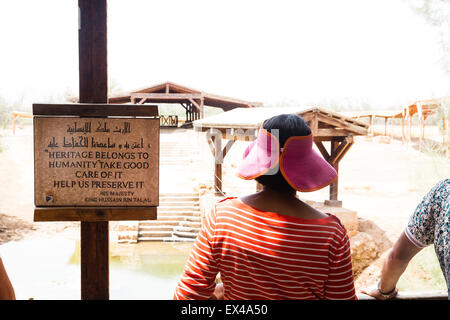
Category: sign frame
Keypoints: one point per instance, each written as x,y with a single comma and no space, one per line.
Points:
95,213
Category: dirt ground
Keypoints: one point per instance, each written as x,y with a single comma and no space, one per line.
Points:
383,182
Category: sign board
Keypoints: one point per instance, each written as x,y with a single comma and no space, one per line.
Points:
96,161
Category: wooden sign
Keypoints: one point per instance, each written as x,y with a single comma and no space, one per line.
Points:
96,162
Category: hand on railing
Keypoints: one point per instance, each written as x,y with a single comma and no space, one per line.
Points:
377,294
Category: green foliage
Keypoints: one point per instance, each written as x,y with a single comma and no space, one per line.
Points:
437,13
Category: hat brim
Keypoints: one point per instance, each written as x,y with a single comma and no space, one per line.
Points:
260,157
303,168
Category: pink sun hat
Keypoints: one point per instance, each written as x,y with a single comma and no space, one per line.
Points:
301,166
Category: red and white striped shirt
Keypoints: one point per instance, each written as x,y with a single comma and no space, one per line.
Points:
265,255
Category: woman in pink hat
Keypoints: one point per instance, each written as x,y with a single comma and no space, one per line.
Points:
270,244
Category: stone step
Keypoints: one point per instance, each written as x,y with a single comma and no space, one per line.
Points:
171,223
177,213
179,218
171,208
169,199
179,194
160,223
186,229
175,203
166,239
149,234
157,228
191,224
185,234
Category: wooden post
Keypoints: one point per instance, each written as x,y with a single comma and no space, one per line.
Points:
421,125
403,127
372,129
93,86
217,140
445,130
385,125
334,186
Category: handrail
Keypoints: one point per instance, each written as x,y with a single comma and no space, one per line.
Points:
19,114
413,295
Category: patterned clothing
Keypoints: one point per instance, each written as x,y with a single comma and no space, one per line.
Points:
430,224
265,255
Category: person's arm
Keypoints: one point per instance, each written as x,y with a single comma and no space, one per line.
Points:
394,266
6,288
418,234
199,276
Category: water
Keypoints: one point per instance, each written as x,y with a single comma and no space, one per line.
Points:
49,269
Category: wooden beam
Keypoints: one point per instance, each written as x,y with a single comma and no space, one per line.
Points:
167,96
142,101
339,148
314,124
339,123
211,143
93,88
227,148
334,185
94,214
322,150
331,132
94,110
344,151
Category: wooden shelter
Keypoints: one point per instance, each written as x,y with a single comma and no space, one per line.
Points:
387,115
192,100
423,109
243,124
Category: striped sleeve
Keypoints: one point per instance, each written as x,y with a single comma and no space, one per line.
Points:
339,285
198,279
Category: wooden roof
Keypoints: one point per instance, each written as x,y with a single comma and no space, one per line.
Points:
324,124
428,106
169,92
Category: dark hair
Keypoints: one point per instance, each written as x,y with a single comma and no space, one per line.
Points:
288,125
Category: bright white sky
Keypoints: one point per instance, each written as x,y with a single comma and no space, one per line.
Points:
269,51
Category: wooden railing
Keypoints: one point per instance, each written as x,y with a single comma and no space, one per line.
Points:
19,114
413,295
168,121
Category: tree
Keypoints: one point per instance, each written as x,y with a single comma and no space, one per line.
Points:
437,14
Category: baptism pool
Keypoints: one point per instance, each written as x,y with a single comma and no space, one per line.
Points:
49,269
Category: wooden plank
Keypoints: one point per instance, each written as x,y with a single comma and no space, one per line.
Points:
142,101
94,260
227,148
210,143
167,96
413,295
94,214
342,124
337,152
93,88
334,185
314,124
102,162
321,132
344,151
95,110
322,150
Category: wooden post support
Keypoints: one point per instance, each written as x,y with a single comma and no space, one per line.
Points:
93,88
372,129
421,125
